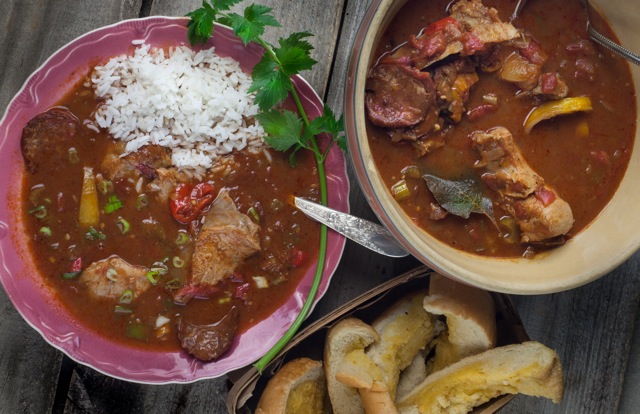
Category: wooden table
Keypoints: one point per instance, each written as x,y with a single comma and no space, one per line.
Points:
591,327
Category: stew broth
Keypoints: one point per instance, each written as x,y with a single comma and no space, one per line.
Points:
584,168
261,187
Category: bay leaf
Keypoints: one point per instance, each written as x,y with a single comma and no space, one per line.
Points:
460,197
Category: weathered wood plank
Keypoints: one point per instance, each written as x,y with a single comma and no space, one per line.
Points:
591,327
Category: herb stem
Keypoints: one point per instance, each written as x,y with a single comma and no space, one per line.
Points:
322,254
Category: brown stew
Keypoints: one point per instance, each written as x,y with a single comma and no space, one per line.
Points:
577,158
159,304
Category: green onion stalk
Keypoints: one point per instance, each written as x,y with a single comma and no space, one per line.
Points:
322,254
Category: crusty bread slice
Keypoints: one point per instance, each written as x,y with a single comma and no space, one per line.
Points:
359,371
297,388
470,319
347,337
405,328
529,368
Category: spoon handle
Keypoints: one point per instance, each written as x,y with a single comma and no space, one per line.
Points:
612,46
370,235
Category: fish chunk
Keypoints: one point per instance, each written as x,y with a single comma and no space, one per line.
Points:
111,277
539,211
226,239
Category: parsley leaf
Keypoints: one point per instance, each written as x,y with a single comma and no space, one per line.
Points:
283,128
270,84
293,53
250,26
200,27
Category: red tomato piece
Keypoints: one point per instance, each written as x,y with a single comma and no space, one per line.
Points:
76,265
298,257
187,202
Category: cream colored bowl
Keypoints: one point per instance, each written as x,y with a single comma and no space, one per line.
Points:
605,244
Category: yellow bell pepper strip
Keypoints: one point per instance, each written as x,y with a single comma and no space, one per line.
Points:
554,108
89,214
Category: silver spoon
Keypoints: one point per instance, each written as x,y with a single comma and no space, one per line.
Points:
370,235
593,34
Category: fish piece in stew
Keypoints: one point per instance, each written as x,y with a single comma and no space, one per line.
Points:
111,277
226,239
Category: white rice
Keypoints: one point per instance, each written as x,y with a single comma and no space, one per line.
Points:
196,104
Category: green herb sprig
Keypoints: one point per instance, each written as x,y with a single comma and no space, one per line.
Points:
286,130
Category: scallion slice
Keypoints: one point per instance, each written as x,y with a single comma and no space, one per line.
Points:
122,309
182,238
113,204
123,225
142,201
71,275
177,262
45,231
126,297
160,267
153,276
173,284
255,216
72,154
400,190
411,171
39,212
105,186
93,234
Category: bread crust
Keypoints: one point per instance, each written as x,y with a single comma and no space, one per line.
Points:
348,335
281,385
528,368
470,319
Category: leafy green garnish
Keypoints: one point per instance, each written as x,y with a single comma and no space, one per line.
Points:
286,130
460,197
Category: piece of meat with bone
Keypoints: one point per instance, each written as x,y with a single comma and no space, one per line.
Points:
43,138
226,239
143,162
111,277
469,29
539,211
399,96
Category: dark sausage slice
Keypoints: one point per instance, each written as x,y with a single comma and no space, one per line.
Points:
208,342
398,96
44,136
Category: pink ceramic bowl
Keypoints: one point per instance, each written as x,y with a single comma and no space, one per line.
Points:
32,297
